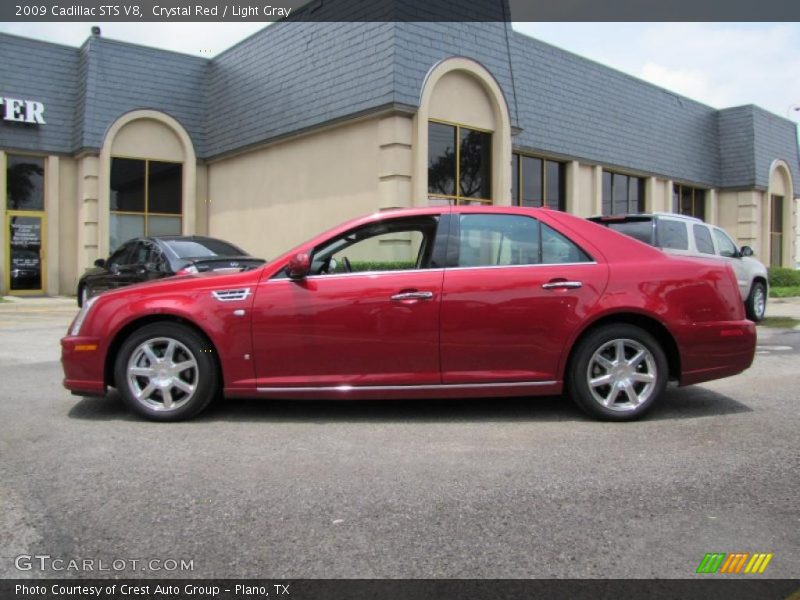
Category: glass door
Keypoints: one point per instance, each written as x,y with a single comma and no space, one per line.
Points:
25,254
25,224
776,232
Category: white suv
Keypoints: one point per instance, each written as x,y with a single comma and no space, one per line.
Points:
679,234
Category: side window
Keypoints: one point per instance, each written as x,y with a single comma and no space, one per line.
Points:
557,249
672,234
122,256
725,244
141,253
505,240
391,245
154,256
702,239
498,240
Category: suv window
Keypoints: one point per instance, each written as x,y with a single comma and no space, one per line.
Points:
672,234
702,239
639,229
503,240
725,244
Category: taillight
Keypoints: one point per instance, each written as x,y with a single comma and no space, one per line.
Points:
189,270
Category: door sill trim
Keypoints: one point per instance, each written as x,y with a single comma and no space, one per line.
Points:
378,388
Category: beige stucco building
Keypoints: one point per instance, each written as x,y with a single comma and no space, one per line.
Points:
114,140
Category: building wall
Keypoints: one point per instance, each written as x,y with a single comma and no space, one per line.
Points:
305,124
68,271
271,199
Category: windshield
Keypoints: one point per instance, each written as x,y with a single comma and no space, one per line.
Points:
199,248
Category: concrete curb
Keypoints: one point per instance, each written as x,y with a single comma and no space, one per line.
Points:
38,304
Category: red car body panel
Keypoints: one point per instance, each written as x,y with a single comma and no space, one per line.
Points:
484,331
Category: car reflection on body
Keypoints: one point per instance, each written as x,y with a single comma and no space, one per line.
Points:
155,257
458,302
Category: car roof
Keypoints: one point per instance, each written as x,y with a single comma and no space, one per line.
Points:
645,215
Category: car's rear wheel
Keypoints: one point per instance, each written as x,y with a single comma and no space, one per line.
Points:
756,304
166,372
617,373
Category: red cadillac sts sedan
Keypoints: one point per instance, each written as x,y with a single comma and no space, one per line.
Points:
423,303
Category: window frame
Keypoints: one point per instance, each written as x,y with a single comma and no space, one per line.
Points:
677,200
434,248
454,244
516,159
640,201
29,155
703,227
146,213
718,231
458,199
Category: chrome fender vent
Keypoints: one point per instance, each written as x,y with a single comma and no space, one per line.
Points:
231,295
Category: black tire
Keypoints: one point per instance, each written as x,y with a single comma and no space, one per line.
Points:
603,344
756,304
80,295
164,396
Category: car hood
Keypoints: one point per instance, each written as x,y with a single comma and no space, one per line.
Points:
187,284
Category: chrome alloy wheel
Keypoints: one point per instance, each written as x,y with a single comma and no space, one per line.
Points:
622,375
759,302
162,374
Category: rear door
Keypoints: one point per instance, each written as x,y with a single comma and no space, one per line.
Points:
515,294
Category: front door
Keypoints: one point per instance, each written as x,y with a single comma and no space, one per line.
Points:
25,267
367,314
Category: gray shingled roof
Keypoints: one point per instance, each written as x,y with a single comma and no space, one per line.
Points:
291,76
573,106
34,70
294,76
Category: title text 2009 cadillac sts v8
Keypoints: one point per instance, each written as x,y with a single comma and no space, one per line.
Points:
463,301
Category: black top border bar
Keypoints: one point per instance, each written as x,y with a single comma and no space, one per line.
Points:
398,10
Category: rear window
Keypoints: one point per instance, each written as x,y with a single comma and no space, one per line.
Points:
639,229
672,234
201,248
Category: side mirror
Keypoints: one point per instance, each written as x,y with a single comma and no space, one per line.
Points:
100,262
746,251
299,266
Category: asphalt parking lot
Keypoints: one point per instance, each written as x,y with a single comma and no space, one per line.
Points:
481,488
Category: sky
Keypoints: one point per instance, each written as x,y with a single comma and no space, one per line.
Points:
720,64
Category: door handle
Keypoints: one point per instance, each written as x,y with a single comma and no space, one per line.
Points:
412,296
566,285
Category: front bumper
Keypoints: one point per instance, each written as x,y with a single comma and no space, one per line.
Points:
83,364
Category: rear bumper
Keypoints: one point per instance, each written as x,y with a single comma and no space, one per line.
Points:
716,350
82,362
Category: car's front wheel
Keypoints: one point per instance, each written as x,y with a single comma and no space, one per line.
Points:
166,372
617,372
756,303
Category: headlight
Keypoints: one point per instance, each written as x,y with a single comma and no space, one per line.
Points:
76,326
